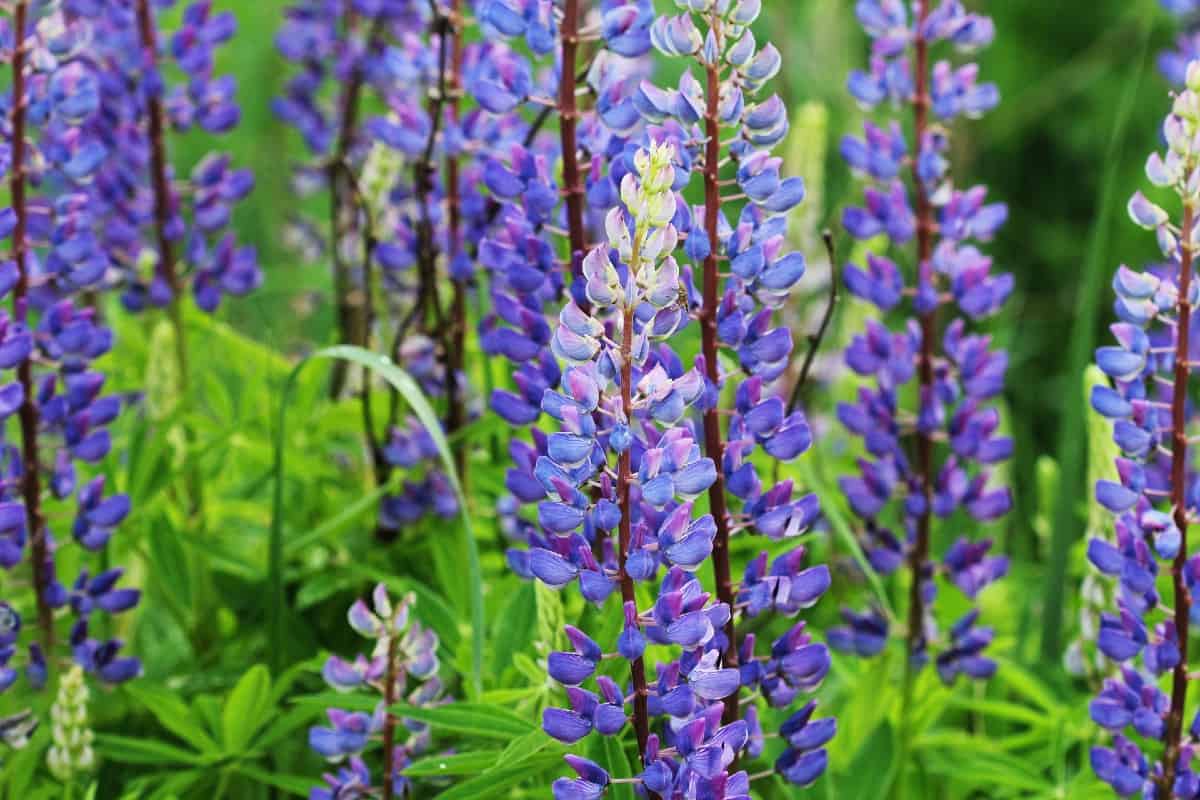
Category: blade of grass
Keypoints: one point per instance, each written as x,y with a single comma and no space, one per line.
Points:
412,394
1072,442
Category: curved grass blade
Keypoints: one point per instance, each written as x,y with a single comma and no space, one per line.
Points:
408,388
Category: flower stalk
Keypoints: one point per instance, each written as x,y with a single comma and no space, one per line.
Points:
1179,502
31,484
919,553
714,444
353,314
160,182
456,335
568,113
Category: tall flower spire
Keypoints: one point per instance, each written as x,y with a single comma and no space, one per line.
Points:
49,341
1151,367
925,464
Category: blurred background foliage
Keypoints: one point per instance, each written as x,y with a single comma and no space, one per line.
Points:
1082,102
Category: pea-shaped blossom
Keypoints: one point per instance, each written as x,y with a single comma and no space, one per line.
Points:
933,460
1150,366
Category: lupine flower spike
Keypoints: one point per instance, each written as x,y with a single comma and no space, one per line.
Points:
402,666
166,236
49,339
1154,500
624,398
907,477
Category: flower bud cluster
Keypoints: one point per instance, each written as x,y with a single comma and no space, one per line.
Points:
71,753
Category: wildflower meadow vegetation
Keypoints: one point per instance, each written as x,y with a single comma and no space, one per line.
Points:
668,399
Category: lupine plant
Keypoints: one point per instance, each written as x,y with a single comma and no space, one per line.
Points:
163,236
535,249
54,409
931,460
406,211
1152,502
660,455
402,665
624,399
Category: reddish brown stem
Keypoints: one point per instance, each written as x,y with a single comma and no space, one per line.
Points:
389,720
162,190
456,339
352,313
31,480
714,444
568,112
1183,599
925,230
641,715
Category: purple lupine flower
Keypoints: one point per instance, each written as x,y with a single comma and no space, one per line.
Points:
166,235
377,95
628,402
50,339
1174,63
1152,500
403,665
907,479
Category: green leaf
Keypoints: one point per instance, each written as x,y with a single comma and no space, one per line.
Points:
469,719
349,702
471,763
528,746
173,714
874,767
283,725
350,514
499,780
130,750
999,709
412,394
246,708
298,785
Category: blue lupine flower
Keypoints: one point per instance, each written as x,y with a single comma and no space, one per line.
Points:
1151,499
907,480
58,155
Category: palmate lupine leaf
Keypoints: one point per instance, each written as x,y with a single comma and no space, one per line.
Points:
403,383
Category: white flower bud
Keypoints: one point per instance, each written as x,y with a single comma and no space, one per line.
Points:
71,751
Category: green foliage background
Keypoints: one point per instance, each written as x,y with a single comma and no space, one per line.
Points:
1082,105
